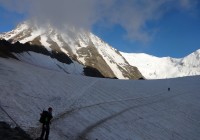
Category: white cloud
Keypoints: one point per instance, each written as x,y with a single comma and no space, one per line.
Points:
132,15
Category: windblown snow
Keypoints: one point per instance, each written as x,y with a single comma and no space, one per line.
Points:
95,108
166,67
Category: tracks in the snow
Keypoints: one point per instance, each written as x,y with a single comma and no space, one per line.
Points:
141,102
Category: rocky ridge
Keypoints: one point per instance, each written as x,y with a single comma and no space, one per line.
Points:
79,45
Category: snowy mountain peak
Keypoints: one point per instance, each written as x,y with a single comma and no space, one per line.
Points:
198,51
80,45
192,60
87,50
166,67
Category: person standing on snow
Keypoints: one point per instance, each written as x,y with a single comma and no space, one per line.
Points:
45,119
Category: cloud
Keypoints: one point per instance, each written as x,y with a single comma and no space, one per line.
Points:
187,4
132,15
135,15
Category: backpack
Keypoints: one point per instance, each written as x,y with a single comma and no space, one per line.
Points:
43,116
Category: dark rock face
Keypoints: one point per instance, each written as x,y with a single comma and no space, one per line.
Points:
89,71
94,60
131,72
7,133
71,45
6,50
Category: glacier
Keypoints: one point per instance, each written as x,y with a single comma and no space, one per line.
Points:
98,108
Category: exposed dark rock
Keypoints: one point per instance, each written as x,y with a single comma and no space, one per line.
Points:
94,60
89,71
130,72
141,78
62,57
6,50
8,133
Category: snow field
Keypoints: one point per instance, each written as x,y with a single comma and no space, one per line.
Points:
95,108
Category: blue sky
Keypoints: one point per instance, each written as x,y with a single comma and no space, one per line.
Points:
9,19
160,28
177,35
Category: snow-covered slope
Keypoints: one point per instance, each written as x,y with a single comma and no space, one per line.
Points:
80,45
47,62
96,108
159,68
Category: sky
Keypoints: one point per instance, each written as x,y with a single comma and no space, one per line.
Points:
156,27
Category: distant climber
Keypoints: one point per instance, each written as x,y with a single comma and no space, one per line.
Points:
45,119
168,89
